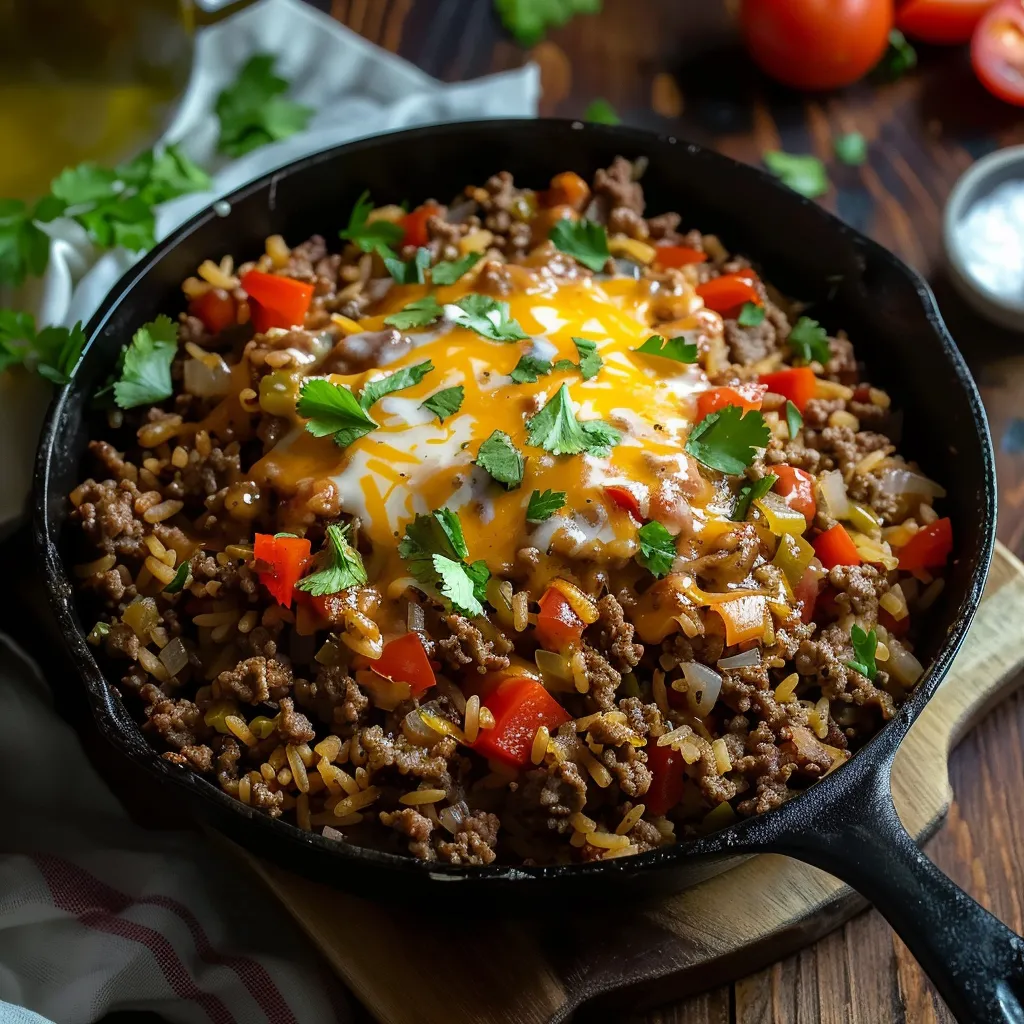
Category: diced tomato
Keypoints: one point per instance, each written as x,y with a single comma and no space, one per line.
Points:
677,256
746,396
405,660
668,781
625,499
806,594
215,308
835,547
730,291
276,301
826,608
997,51
928,548
282,561
898,627
568,189
520,707
415,224
797,384
558,626
797,489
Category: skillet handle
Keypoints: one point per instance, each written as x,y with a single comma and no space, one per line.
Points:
974,960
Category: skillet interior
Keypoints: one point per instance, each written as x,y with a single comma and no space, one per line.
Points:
854,284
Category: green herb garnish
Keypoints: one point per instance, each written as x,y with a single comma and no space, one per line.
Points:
864,647
556,429
445,403
543,505
488,317
418,313
52,352
381,236
181,578
678,349
794,421
397,381
449,271
750,315
657,548
408,271
584,240
802,173
749,493
145,373
727,440
529,20
24,247
340,566
529,369
852,149
600,111
808,341
502,460
900,58
590,362
333,411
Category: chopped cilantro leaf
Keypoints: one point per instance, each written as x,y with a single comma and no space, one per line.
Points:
145,375
86,183
53,352
488,317
584,240
600,111
445,403
17,332
253,111
332,411
727,440
502,460
529,369
679,349
898,59
449,271
657,548
794,421
340,566
864,647
852,149
543,505
380,236
808,341
181,578
24,248
590,361
556,429
750,315
528,20
408,271
418,313
749,493
803,173
397,381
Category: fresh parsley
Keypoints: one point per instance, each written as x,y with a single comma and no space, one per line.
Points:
556,429
852,149
502,460
408,271
794,421
657,548
52,352
727,440
418,313
449,271
750,315
803,173
397,381
543,505
529,369
488,317
340,566
24,247
445,403
600,111
435,548
808,341
529,20
181,578
864,647
253,110
898,59
590,362
145,373
381,236
584,240
679,349
749,493
332,411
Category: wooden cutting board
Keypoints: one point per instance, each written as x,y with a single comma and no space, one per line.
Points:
730,925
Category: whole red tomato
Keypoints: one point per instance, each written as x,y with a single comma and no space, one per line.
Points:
997,51
940,21
816,44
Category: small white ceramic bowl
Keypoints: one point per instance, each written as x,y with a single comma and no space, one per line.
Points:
976,184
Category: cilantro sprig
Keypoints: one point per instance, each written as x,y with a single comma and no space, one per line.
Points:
749,493
543,505
333,411
340,565
144,372
529,20
678,349
600,111
445,403
852,149
381,236
397,381
864,647
490,318
751,315
182,578
584,240
24,247
556,429
408,271
808,341
590,361
727,440
450,271
803,173
418,313
794,421
657,548
501,460
52,352
530,369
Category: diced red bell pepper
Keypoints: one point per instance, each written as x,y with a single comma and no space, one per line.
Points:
567,189
797,489
285,560
558,626
668,781
797,384
405,660
215,308
677,256
625,499
929,547
806,594
520,707
276,301
415,224
899,628
730,291
835,547
746,396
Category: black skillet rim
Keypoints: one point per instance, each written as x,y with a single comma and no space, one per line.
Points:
743,836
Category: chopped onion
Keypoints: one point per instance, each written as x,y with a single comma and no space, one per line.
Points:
209,377
414,617
555,665
902,665
905,481
417,731
593,212
705,684
833,491
174,656
748,659
453,816
333,833
627,268
460,211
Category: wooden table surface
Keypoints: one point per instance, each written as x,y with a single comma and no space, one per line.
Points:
674,65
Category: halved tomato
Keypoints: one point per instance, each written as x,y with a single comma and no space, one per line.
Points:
997,51
940,21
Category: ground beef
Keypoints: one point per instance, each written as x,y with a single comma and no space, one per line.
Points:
615,635
292,725
604,679
860,587
266,799
615,188
430,764
178,723
749,345
467,646
644,719
644,835
356,353
254,681
109,520
121,642
474,840
629,770
415,827
335,698
552,795
198,758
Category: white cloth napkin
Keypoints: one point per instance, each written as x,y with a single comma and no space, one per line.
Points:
97,914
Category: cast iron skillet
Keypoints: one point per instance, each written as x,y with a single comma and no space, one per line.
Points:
846,823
